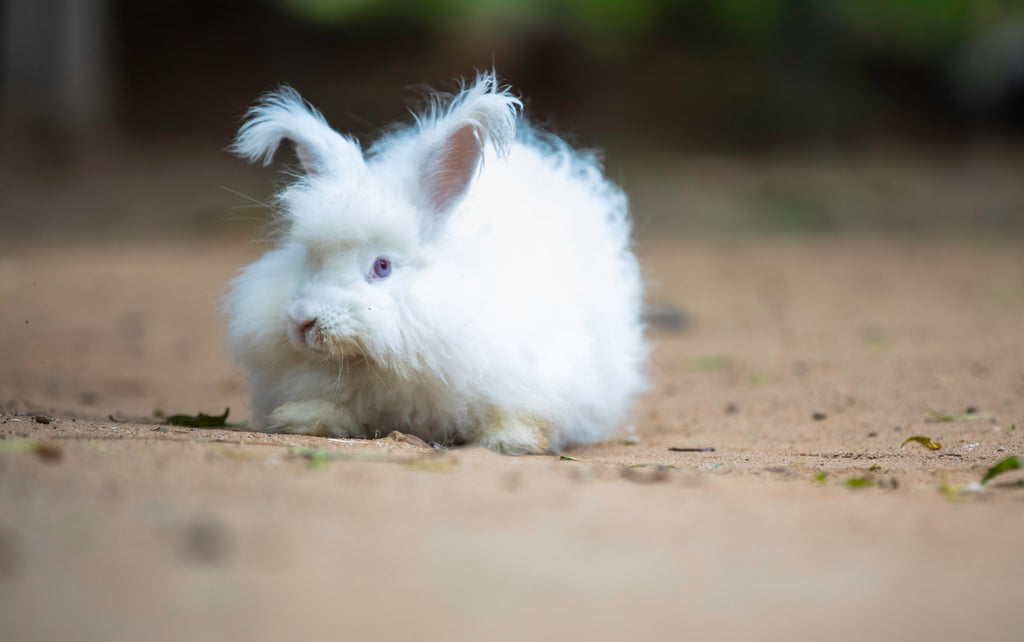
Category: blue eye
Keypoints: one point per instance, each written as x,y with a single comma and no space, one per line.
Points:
381,268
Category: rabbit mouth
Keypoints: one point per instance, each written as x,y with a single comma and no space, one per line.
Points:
339,349
314,340
310,332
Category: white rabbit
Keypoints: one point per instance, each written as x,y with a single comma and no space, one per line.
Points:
467,280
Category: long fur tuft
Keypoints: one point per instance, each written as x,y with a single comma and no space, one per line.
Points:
282,114
488,105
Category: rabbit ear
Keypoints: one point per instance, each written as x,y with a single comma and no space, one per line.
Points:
480,114
284,114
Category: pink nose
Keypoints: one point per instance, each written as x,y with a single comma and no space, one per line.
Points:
304,325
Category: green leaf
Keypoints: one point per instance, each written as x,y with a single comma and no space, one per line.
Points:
965,416
47,451
567,458
712,363
759,379
432,465
859,482
200,420
1010,463
924,441
318,457
821,478
19,446
952,492
875,466
654,466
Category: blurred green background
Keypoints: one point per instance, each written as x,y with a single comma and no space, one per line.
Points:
717,115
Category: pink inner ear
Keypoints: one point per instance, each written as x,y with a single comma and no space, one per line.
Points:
453,167
306,159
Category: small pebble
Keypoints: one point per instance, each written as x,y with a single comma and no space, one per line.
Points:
732,408
49,452
666,316
658,474
9,554
819,416
872,434
971,410
41,419
206,542
512,481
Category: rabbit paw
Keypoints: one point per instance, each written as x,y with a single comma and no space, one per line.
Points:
516,436
313,417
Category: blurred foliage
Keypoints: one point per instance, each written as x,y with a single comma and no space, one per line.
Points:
920,27
723,74
915,27
615,13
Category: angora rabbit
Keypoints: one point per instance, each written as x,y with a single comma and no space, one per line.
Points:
466,280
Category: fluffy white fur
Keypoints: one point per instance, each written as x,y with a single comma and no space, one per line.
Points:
511,315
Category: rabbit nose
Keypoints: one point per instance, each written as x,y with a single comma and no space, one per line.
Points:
303,331
302,326
305,325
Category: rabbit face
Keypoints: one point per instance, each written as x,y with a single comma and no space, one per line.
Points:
357,254
345,305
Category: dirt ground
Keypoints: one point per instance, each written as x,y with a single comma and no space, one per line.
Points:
797,365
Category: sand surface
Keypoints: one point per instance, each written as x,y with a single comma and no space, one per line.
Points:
797,364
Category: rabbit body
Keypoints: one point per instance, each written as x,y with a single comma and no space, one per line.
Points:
468,280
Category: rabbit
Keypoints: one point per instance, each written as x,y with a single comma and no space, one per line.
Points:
467,279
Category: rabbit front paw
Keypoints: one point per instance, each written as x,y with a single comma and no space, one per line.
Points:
313,417
516,436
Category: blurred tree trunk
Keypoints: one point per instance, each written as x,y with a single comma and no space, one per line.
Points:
57,64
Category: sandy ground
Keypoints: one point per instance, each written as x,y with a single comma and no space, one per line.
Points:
800,364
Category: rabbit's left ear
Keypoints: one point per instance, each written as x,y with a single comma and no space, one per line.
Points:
284,114
480,114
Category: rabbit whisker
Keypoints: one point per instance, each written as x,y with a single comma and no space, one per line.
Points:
256,201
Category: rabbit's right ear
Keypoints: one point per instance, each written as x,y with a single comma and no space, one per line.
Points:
284,114
481,114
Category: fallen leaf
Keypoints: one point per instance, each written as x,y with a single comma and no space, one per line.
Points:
964,416
641,475
859,482
1010,463
200,420
958,492
45,451
712,363
924,441
431,465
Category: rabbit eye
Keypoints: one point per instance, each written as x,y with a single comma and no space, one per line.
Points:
381,268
